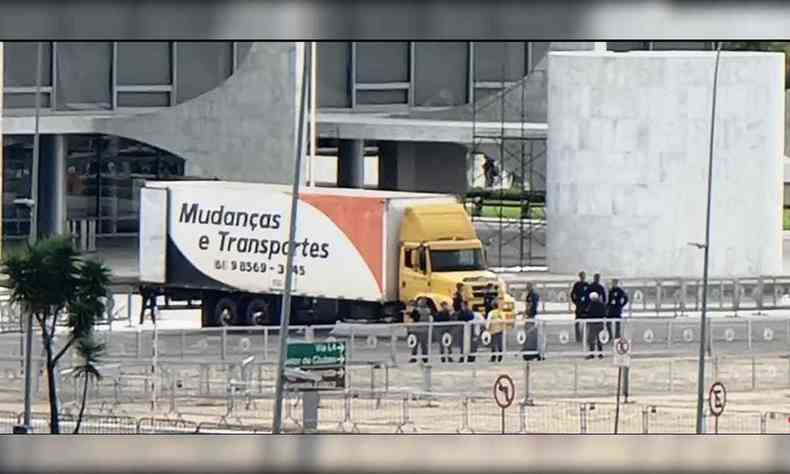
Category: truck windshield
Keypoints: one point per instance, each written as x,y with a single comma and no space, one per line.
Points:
456,260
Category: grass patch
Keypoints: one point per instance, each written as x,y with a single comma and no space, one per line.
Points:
510,212
786,219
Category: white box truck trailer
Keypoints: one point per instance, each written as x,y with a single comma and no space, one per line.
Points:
358,254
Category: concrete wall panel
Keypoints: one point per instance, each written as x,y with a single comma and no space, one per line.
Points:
628,154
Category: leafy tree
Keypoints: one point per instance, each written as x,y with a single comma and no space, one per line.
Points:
83,311
89,350
49,280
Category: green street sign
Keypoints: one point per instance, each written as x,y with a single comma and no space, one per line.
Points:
309,355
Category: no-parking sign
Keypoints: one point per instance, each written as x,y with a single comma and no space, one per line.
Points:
622,352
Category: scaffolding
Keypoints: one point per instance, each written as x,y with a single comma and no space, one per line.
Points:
509,212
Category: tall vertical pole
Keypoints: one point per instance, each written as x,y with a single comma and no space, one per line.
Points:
617,407
154,357
313,111
703,325
286,303
36,158
502,152
32,239
2,88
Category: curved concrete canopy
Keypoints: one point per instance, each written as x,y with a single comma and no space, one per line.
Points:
242,130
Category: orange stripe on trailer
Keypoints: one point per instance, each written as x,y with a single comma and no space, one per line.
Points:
361,220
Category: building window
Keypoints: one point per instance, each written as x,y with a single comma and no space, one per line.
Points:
441,74
497,65
19,75
84,76
201,67
334,66
144,74
625,46
382,73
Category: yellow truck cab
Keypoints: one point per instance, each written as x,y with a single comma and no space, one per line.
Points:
439,248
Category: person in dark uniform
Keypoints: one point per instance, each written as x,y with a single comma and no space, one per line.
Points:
580,300
444,316
618,298
489,299
458,297
465,315
148,295
531,326
597,287
595,310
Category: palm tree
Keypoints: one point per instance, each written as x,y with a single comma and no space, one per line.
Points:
47,279
90,351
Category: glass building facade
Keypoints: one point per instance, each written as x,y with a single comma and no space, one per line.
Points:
102,182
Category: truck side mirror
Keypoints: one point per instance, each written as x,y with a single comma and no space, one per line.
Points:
424,261
415,258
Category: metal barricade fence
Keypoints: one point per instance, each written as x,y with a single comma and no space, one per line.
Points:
775,422
397,344
230,428
486,417
8,420
599,417
153,425
444,413
671,295
552,417
99,424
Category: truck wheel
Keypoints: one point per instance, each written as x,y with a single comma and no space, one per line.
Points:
226,312
259,313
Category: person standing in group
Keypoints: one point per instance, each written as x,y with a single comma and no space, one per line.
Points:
496,327
444,316
414,314
580,300
458,297
618,298
531,343
465,315
595,311
489,299
597,287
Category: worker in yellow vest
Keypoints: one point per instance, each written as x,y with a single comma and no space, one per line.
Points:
496,327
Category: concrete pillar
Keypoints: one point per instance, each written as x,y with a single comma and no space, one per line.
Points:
397,166
388,165
422,167
351,164
52,185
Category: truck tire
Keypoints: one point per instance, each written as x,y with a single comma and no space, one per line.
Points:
226,312
259,312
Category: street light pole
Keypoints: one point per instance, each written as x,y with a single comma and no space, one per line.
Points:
313,117
703,325
35,165
32,239
286,303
